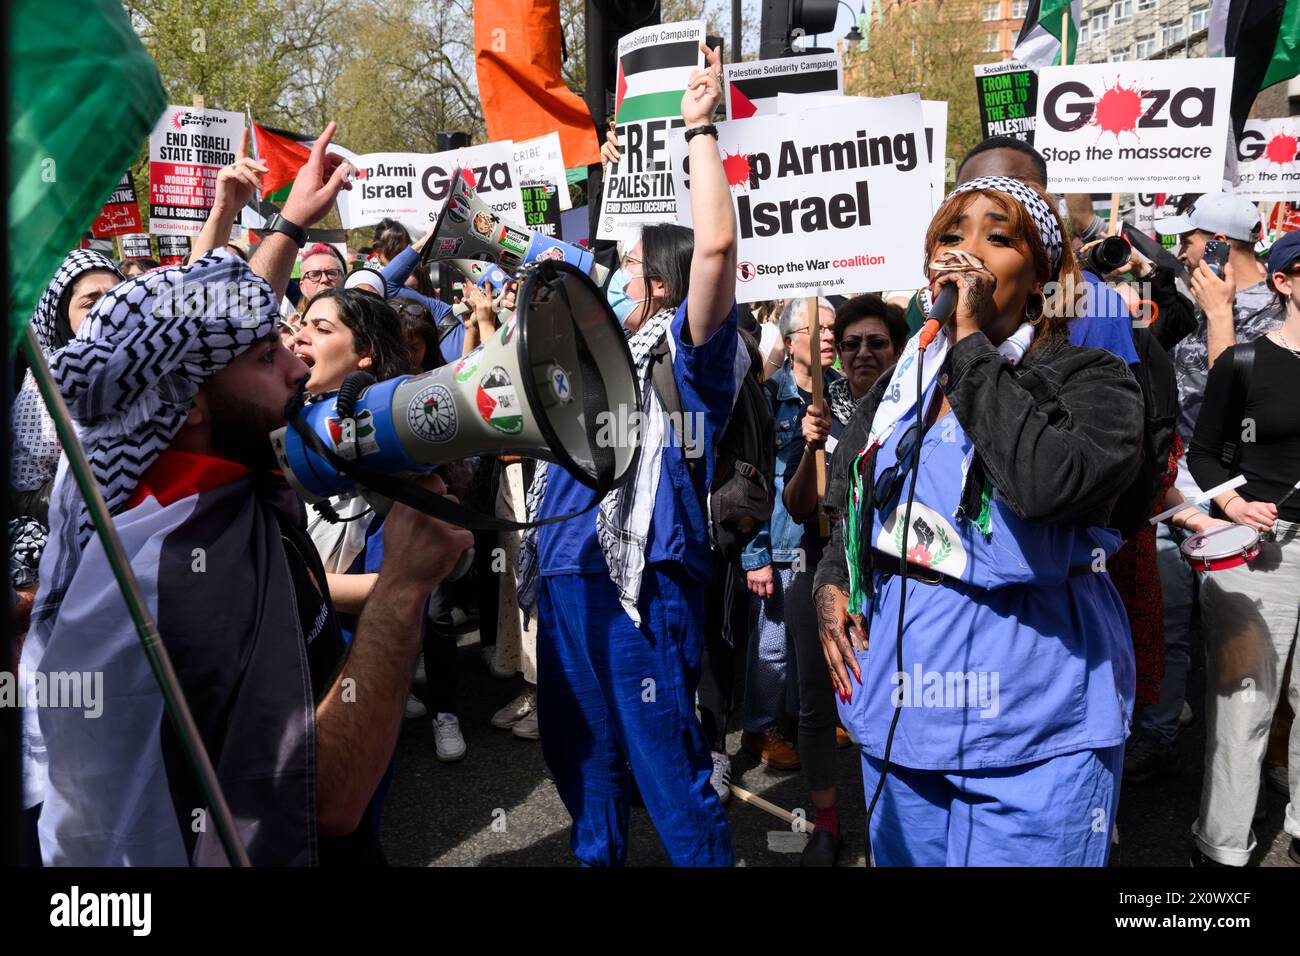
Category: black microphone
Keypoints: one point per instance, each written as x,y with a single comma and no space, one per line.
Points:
944,304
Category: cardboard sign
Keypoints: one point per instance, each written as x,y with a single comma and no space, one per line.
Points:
542,208
654,65
832,201
752,88
1267,166
1007,94
1154,125
173,250
136,246
121,214
412,187
541,160
186,150
934,117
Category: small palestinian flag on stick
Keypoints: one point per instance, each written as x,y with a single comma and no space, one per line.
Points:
752,88
653,69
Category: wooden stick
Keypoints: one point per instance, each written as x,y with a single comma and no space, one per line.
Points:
815,360
198,101
1114,214
755,800
1065,35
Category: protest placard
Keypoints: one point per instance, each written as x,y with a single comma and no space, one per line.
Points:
1266,159
187,148
834,200
412,187
1134,127
541,160
752,89
542,208
1007,94
121,213
654,65
173,250
934,117
136,246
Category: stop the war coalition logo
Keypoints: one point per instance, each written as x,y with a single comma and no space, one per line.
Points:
1134,127
1266,159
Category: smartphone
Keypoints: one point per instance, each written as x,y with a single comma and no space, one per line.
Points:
1216,256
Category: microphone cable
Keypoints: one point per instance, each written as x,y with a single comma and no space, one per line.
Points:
928,332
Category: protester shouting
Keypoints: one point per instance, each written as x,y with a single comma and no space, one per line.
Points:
1015,688
620,591
176,404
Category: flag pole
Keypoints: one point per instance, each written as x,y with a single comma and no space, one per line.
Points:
151,641
1065,36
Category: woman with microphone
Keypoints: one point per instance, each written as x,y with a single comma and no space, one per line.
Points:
979,651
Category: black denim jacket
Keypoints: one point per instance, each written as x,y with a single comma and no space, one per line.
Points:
1059,435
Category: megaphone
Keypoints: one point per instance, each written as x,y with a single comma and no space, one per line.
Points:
480,272
556,382
467,228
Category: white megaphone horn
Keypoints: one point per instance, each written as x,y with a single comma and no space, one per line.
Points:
468,228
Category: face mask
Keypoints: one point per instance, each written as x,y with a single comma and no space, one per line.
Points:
616,295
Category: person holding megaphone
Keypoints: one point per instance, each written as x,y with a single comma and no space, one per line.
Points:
619,591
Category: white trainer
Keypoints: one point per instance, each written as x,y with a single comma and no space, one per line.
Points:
415,707
527,728
516,710
448,743
721,776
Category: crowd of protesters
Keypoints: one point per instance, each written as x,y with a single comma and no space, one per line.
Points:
969,500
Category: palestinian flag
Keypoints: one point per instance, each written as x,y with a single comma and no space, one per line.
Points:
284,154
653,76
66,75
1264,36
1039,43
752,88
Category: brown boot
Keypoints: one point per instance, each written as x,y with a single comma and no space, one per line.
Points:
842,738
771,748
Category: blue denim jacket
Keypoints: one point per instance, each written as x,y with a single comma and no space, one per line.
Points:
778,541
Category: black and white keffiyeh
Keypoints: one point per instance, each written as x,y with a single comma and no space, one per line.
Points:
45,322
131,374
1049,227
841,399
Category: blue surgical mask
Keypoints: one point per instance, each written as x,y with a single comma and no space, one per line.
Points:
616,294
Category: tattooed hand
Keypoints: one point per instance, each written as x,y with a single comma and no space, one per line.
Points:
975,306
841,634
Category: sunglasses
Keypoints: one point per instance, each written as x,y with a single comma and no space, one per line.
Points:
315,275
877,343
888,482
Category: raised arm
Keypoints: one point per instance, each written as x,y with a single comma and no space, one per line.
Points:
236,185
313,193
713,264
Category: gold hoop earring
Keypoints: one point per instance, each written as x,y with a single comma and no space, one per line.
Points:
1035,314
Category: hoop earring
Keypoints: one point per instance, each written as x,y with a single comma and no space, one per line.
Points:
1035,308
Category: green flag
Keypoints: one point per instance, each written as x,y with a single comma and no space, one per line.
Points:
83,95
1039,43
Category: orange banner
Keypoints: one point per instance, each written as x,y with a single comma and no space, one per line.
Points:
517,52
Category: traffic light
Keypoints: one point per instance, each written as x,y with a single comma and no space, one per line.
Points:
784,20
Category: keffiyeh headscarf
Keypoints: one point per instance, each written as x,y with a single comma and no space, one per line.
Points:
35,448
1049,227
131,374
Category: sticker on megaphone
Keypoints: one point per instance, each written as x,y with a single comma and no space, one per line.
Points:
467,227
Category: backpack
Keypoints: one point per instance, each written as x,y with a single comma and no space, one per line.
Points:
1155,374
741,494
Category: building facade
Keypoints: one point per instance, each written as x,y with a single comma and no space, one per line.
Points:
1122,30
1001,20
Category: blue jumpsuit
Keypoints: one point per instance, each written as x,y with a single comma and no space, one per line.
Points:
616,701
1017,683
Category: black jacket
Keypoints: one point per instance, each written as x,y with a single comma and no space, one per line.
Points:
1059,435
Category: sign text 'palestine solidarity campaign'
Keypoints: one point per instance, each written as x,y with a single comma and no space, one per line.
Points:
832,201
187,149
1153,125
654,66
753,88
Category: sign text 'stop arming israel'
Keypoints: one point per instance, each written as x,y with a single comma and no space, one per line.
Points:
752,88
1150,126
1007,94
835,200
412,187
187,149
654,66
1268,159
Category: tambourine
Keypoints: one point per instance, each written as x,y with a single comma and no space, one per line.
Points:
1222,547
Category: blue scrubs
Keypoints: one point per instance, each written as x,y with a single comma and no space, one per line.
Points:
1104,322
1017,683
614,699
